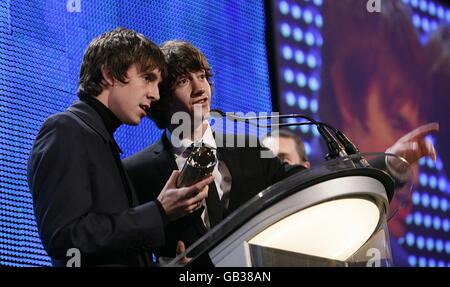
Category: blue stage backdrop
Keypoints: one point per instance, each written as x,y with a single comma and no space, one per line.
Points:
41,47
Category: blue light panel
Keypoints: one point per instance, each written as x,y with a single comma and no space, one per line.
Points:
41,47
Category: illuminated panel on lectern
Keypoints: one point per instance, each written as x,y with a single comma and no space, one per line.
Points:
348,222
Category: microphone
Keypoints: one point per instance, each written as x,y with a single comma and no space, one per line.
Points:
336,148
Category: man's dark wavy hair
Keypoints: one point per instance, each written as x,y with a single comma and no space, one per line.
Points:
181,58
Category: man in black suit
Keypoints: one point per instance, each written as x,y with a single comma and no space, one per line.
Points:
81,193
240,172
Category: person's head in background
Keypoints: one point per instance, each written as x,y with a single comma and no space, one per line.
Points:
288,147
438,48
374,84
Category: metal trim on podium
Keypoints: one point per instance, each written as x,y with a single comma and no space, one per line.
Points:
330,215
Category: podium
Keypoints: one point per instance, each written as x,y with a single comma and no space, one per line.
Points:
332,215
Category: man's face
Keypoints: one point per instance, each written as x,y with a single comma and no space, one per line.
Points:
130,101
192,89
285,150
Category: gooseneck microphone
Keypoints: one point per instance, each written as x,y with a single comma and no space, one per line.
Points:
342,147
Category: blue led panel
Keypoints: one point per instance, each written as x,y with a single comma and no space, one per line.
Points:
41,47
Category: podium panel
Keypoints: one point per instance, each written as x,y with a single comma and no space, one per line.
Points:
331,215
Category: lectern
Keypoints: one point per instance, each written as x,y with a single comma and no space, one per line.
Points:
334,214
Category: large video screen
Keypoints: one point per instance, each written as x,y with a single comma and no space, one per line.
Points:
376,70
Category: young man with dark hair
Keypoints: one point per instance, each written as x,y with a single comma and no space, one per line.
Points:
81,193
240,172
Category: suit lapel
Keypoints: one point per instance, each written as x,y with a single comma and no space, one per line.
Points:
164,158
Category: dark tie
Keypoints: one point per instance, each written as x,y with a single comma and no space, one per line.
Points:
213,205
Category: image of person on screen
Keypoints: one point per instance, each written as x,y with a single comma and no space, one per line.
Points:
240,172
82,196
374,84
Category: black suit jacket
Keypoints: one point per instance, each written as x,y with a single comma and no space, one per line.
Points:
150,169
80,199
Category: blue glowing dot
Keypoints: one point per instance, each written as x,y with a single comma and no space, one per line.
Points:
304,129
447,15
311,61
416,198
412,261
319,40
290,121
298,34
289,76
439,245
405,1
447,247
318,20
427,220
418,218
299,57
442,184
301,80
287,52
425,200
432,181
425,25
318,2
431,262
315,131
313,84
416,20
422,161
309,39
409,219
423,6
302,102
423,179
422,262
436,223
443,204
432,8
314,105
420,242
414,3
441,263
296,12
410,239
307,148
434,202
308,16
430,244
290,99
430,162
285,30
440,12
439,164
445,225
284,7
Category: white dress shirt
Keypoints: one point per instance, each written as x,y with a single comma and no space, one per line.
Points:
222,176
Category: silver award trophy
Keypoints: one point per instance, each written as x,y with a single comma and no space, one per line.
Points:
199,165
